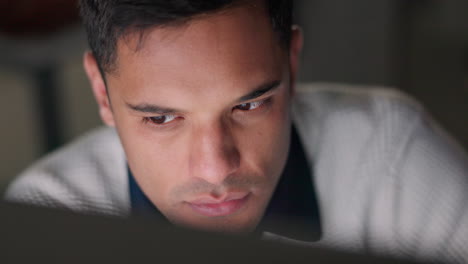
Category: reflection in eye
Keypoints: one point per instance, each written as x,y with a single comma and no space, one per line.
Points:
250,106
165,119
160,120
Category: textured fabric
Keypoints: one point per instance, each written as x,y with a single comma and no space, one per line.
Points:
88,175
388,180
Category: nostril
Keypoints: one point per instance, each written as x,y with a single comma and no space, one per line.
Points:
214,156
214,167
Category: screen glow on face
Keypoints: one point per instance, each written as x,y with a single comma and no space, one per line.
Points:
162,120
204,120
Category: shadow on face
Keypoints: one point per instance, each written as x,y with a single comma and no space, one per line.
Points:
202,110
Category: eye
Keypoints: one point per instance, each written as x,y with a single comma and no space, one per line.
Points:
249,106
161,120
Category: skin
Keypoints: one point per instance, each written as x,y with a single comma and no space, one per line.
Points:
214,145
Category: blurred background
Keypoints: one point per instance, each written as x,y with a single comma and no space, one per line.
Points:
418,46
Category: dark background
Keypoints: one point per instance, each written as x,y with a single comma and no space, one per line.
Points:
418,46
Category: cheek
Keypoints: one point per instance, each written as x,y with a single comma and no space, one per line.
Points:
267,144
152,158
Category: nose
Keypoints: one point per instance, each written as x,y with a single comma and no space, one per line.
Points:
214,155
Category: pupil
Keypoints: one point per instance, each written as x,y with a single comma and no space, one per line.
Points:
159,119
244,106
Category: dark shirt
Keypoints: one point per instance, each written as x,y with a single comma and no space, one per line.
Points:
292,212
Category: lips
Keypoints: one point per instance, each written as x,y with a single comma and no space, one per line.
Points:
211,207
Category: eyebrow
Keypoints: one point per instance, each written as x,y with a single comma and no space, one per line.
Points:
154,109
263,89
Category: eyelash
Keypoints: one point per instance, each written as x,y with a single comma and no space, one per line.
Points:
261,104
151,120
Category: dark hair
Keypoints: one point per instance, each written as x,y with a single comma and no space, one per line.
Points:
108,20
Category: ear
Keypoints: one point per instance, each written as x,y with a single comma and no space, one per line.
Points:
99,88
294,55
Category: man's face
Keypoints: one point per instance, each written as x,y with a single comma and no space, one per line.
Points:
202,111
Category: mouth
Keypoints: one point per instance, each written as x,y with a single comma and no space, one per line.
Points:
208,206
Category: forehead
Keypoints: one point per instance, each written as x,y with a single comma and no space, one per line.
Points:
234,47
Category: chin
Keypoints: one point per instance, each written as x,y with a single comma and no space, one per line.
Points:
223,227
238,224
